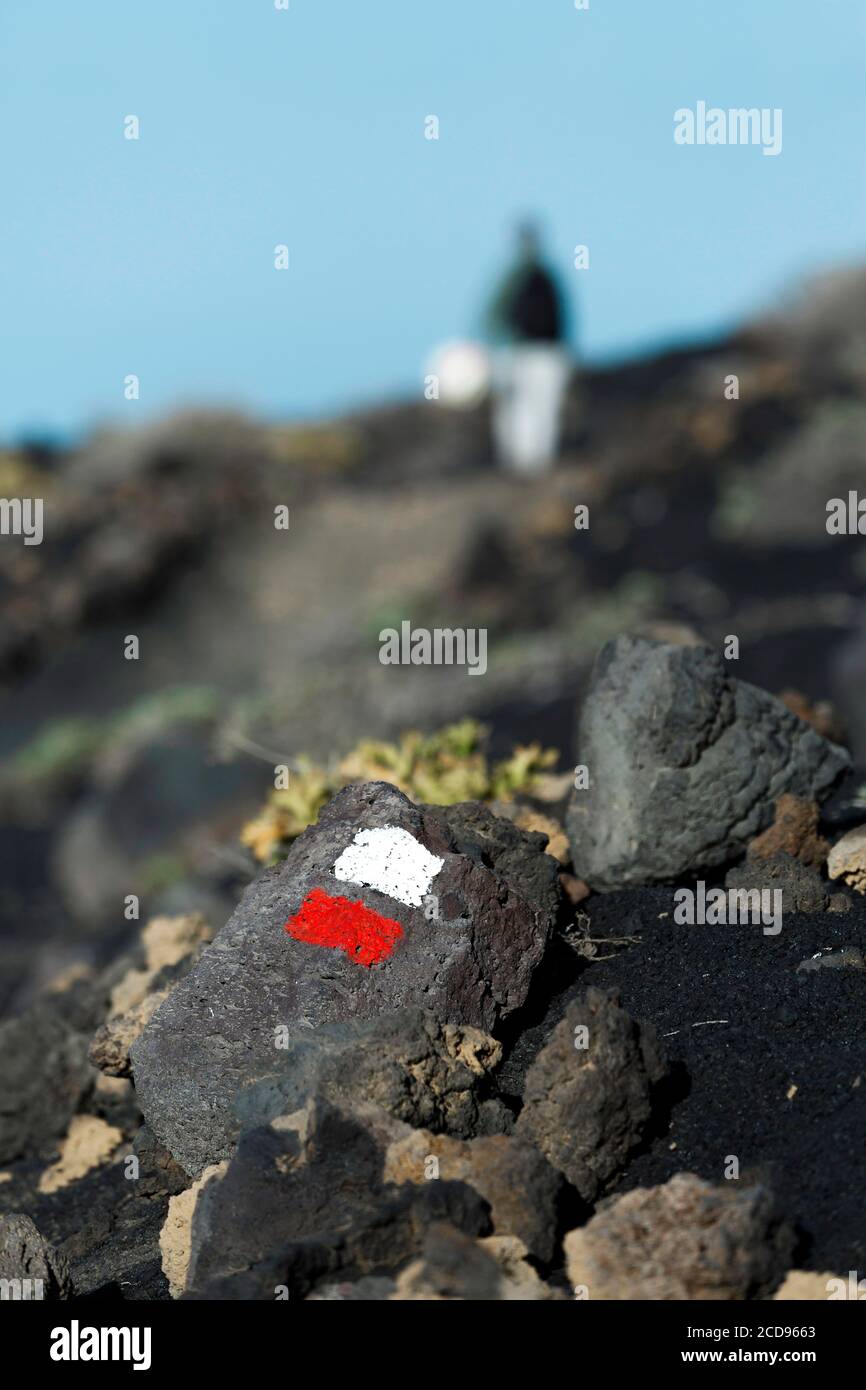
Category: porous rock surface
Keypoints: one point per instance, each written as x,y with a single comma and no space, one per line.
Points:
685,764
794,831
847,859
468,955
687,1240
426,1073
170,946
453,1267
26,1257
522,1188
587,1107
300,1204
802,888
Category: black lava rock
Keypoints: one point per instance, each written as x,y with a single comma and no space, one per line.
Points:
468,954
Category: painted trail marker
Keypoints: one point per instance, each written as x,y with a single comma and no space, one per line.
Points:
323,920
390,860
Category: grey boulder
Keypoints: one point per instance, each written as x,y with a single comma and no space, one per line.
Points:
685,764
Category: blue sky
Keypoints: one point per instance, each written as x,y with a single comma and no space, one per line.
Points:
306,127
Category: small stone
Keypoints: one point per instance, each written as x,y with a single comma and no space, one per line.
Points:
851,958
35,1270
802,889
109,1050
44,1076
586,1107
686,1240
522,1188
794,831
452,1267
847,859
425,1073
300,1205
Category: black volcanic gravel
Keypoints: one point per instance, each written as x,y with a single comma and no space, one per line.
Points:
783,1029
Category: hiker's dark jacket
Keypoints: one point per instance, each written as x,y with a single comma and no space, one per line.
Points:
528,308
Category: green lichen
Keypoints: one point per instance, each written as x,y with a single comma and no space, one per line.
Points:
63,751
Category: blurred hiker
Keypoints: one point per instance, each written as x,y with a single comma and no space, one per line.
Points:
532,367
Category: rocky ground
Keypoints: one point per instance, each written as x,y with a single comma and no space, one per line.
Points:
425,1059
530,1078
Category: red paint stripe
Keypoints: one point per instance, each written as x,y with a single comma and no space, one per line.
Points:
342,925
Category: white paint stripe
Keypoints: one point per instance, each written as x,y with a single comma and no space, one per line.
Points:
390,860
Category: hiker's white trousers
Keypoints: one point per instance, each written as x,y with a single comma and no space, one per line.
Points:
529,388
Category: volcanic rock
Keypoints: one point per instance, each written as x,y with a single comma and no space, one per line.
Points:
847,859
26,1257
301,1204
171,945
522,1188
687,1240
466,949
685,764
44,1076
803,890
428,1074
775,1058
452,1267
588,1098
794,831
106,1224
109,1050
520,1278
176,1235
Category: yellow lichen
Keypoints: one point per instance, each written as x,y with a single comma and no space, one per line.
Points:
441,769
